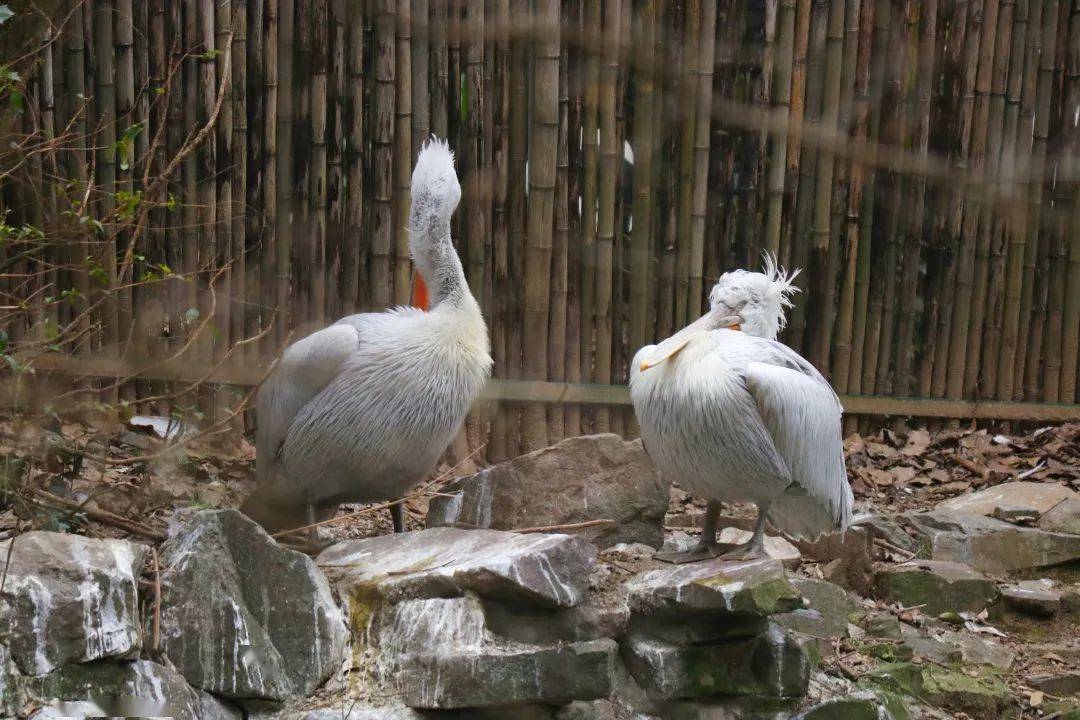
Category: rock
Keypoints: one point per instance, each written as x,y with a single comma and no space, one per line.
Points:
242,616
828,612
938,585
1062,518
883,625
846,557
508,675
983,696
594,710
1016,514
858,706
548,570
69,599
951,646
772,664
119,689
1062,685
1038,496
1033,600
775,547
886,528
591,620
731,708
755,588
576,480
352,711
992,545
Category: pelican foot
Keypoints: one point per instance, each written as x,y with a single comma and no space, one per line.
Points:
701,551
744,551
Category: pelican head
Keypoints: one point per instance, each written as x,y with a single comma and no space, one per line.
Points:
757,298
435,195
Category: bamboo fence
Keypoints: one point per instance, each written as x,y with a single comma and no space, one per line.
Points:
919,159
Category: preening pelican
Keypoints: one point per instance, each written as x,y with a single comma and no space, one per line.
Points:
360,411
732,415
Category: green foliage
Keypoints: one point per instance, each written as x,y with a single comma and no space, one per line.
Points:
125,145
127,204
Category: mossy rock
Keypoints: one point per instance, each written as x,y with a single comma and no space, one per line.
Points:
983,696
872,705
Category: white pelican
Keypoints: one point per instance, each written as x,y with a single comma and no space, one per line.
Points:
360,411
735,416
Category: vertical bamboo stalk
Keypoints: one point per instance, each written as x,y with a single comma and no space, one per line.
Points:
781,102
1020,90
1070,339
851,120
421,64
256,212
476,211
284,180
105,165
589,152
687,160
218,234
439,69
402,155
577,64
822,273
800,52
76,163
702,135
238,75
499,223
1031,310
124,57
269,176
355,161
609,165
557,318
318,18
382,231
647,20
543,147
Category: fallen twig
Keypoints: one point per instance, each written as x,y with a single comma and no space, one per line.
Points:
567,526
102,516
905,554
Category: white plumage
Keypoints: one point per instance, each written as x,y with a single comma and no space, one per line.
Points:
360,411
734,416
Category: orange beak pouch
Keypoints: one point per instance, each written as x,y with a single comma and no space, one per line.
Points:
420,293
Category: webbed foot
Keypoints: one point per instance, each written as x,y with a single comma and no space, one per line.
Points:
745,551
701,551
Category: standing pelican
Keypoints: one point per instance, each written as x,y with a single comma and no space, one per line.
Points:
360,411
732,415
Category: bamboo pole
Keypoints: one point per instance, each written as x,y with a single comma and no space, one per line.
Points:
577,64
382,231
476,212
609,165
439,69
499,223
218,235
402,152
859,23
543,147
421,64
1028,366
589,151
702,136
105,167
255,211
687,160
1019,101
646,20
822,273
269,176
1070,340
239,325
781,100
557,317
800,52
124,57
284,181
76,166
355,161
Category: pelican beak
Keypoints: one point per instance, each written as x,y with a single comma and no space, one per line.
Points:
730,322
420,292
653,362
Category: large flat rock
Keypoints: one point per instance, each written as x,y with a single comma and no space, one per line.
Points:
108,688
1038,496
508,675
1062,518
577,480
547,570
992,545
69,599
938,585
754,588
772,664
242,616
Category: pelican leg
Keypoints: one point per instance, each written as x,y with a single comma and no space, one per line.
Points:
397,513
310,518
754,548
705,548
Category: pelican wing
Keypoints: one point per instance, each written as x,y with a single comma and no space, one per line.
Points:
305,368
802,415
